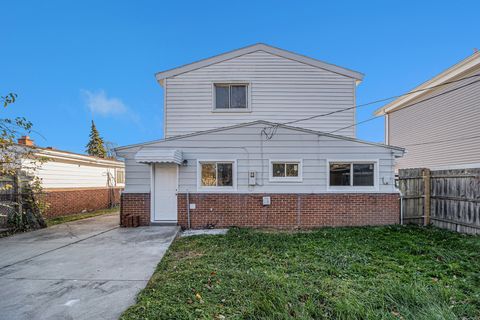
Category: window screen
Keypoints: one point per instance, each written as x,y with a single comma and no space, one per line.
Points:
231,96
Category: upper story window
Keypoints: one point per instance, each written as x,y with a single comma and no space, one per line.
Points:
230,96
357,174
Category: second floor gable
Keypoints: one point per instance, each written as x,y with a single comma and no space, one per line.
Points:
258,83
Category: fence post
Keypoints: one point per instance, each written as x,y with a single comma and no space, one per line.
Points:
426,199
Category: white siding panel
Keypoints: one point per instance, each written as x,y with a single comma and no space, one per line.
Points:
137,175
281,90
72,175
451,121
252,153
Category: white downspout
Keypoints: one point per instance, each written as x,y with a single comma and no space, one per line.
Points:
188,210
387,128
387,141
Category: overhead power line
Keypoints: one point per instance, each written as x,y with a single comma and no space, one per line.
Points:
442,141
271,131
410,105
381,100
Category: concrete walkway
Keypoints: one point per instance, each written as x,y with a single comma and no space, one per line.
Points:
87,269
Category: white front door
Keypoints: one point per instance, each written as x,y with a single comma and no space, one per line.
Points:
165,193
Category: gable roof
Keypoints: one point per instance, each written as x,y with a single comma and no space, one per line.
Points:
160,76
267,123
452,73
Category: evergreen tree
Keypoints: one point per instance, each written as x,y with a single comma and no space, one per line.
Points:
95,146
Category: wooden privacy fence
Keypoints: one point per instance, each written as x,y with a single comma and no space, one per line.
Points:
447,199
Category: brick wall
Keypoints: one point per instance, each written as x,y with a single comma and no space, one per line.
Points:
135,205
70,201
290,210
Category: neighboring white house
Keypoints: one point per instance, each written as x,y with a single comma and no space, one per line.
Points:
230,156
439,127
75,182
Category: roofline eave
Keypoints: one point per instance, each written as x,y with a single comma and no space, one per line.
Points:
462,67
245,124
258,47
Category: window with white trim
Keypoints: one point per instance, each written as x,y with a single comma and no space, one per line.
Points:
230,96
357,174
285,170
216,174
120,176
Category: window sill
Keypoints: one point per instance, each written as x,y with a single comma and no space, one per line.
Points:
206,188
231,111
349,189
217,190
286,180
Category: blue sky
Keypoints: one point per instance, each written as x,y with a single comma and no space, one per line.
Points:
71,61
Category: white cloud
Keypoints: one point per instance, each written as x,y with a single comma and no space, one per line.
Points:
99,103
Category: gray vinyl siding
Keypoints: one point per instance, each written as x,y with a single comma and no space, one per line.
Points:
137,174
453,119
244,145
281,90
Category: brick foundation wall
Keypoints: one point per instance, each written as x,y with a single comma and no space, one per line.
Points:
289,210
135,205
70,201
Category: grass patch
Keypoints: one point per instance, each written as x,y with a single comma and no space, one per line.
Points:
79,216
344,273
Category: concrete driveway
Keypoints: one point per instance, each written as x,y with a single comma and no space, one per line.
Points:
87,269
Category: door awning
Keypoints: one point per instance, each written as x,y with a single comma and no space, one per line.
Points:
157,155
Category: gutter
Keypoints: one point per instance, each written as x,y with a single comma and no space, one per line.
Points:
80,158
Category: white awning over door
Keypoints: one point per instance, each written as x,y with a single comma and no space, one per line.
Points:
157,155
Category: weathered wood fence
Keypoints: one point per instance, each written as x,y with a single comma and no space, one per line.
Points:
447,199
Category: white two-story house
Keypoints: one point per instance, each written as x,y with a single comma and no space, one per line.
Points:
259,137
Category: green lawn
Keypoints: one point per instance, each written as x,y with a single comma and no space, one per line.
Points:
79,216
348,273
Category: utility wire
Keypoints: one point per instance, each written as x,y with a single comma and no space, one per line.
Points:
441,141
380,100
273,129
410,105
